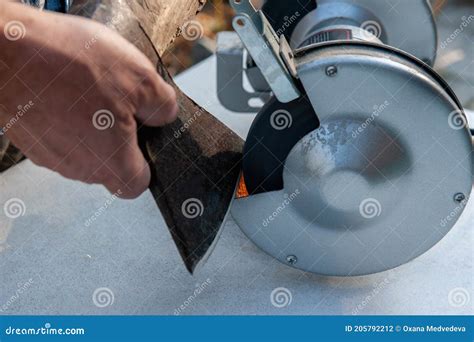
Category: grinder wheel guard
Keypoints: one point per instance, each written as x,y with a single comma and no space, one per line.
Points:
195,161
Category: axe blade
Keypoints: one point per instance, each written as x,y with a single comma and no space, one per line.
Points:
196,163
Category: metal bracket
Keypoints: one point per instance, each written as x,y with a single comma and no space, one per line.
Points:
263,45
287,56
230,76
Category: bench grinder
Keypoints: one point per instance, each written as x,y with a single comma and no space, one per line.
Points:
361,158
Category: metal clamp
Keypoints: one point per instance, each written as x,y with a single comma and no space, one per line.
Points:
263,45
231,75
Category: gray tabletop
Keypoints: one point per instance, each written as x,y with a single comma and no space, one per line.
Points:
74,249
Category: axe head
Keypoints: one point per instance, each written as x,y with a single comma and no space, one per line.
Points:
196,163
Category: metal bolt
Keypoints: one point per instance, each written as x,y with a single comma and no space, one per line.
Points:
291,259
459,197
331,71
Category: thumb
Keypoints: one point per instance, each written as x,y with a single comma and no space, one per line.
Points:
131,178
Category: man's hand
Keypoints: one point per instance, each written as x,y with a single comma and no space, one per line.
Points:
71,91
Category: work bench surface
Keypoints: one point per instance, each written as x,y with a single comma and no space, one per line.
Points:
53,258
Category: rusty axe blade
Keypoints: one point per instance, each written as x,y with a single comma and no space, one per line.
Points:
195,161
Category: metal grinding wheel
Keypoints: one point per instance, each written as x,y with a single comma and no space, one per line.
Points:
369,189
358,173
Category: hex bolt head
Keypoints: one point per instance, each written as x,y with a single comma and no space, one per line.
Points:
331,70
291,259
459,197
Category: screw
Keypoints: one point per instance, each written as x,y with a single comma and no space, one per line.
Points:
291,259
331,71
459,197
